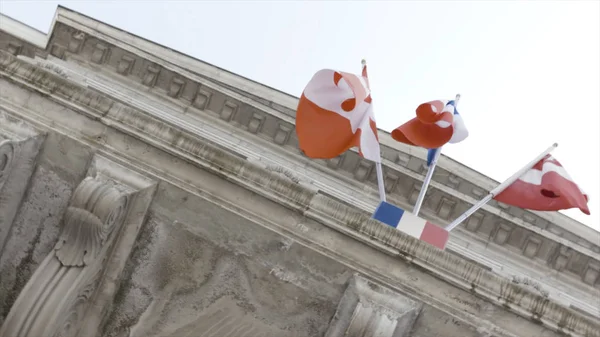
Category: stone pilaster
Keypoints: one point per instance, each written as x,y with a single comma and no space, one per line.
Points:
102,210
98,311
19,148
367,309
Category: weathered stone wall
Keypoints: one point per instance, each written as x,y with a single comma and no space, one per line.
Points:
61,165
198,268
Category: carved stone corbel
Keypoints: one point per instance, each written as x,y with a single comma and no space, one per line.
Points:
58,295
19,148
368,309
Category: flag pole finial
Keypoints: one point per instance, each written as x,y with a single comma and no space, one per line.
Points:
363,62
456,99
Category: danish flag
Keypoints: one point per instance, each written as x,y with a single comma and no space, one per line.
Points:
437,123
545,187
335,113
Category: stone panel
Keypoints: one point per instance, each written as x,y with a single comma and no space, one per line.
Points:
435,323
19,147
368,309
62,163
216,271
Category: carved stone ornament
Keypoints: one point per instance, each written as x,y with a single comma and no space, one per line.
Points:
66,278
6,156
368,309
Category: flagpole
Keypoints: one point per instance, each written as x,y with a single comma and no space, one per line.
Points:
378,168
426,182
429,174
499,188
380,184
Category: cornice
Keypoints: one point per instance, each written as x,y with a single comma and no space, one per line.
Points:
305,200
23,32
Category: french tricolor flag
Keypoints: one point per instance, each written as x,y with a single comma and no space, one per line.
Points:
411,224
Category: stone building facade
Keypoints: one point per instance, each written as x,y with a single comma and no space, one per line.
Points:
146,193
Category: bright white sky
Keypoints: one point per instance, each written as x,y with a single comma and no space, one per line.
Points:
528,71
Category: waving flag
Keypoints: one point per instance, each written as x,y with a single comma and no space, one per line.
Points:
436,124
545,187
335,114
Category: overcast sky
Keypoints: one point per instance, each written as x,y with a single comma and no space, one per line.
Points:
528,71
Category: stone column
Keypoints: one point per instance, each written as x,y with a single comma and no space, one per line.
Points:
19,148
103,208
371,310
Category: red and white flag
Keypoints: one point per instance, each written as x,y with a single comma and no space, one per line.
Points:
545,187
335,114
437,123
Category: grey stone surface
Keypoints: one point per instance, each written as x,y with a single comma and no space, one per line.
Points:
221,275
36,225
17,162
368,309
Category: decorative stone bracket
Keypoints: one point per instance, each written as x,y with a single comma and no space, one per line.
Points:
19,147
367,309
99,228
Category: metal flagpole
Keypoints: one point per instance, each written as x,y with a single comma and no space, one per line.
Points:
430,170
380,181
499,188
378,168
426,182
